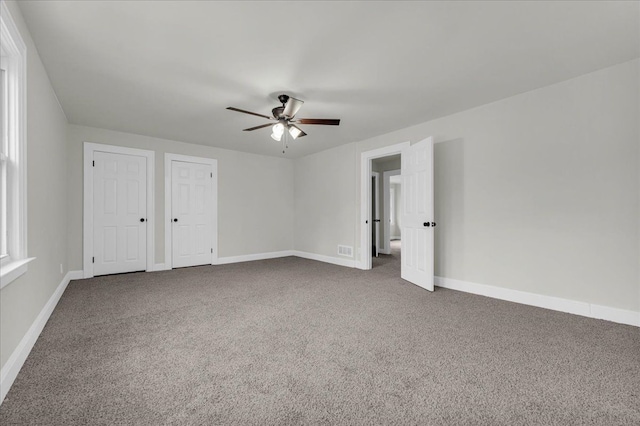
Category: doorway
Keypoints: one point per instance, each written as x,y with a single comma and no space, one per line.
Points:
390,253
191,230
366,204
118,214
416,210
381,210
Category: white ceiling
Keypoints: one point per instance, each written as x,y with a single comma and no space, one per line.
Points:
169,69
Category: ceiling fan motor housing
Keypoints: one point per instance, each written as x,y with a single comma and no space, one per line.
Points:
277,111
283,99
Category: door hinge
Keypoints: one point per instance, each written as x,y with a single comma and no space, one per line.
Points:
94,163
211,251
211,174
93,260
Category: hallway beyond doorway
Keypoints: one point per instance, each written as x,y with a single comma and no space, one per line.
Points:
389,262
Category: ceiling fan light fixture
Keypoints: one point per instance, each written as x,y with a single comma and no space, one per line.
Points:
294,132
278,129
276,137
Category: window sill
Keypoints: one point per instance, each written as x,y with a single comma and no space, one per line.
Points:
12,270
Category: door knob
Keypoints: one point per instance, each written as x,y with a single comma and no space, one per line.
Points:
376,220
427,224
142,219
175,219
433,224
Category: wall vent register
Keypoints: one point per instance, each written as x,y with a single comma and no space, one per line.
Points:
345,251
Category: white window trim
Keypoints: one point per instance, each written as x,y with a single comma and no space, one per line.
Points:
14,265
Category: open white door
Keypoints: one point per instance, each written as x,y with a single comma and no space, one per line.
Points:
417,214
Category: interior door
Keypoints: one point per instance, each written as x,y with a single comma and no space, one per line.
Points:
119,213
417,214
192,215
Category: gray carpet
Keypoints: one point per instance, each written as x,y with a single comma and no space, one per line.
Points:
293,341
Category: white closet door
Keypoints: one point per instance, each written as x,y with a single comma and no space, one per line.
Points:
417,214
119,213
191,210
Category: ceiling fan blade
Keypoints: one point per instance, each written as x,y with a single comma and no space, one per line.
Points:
326,121
257,127
292,107
301,132
249,112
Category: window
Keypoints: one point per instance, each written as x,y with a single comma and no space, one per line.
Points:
13,214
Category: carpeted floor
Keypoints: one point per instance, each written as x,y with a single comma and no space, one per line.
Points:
294,341
390,262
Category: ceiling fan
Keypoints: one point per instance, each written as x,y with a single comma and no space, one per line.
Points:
285,117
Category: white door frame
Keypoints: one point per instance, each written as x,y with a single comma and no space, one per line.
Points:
386,188
365,198
87,219
376,214
168,195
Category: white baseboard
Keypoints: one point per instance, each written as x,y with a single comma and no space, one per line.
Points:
548,302
350,263
257,256
75,275
160,267
620,316
15,362
270,255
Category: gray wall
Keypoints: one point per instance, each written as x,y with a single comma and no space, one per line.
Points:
23,299
325,201
255,194
538,192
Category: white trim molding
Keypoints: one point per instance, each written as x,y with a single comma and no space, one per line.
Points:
349,263
584,309
365,199
12,270
15,362
87,237
621,316
14,61
256,256
386,189
160,267
75,275
168,193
